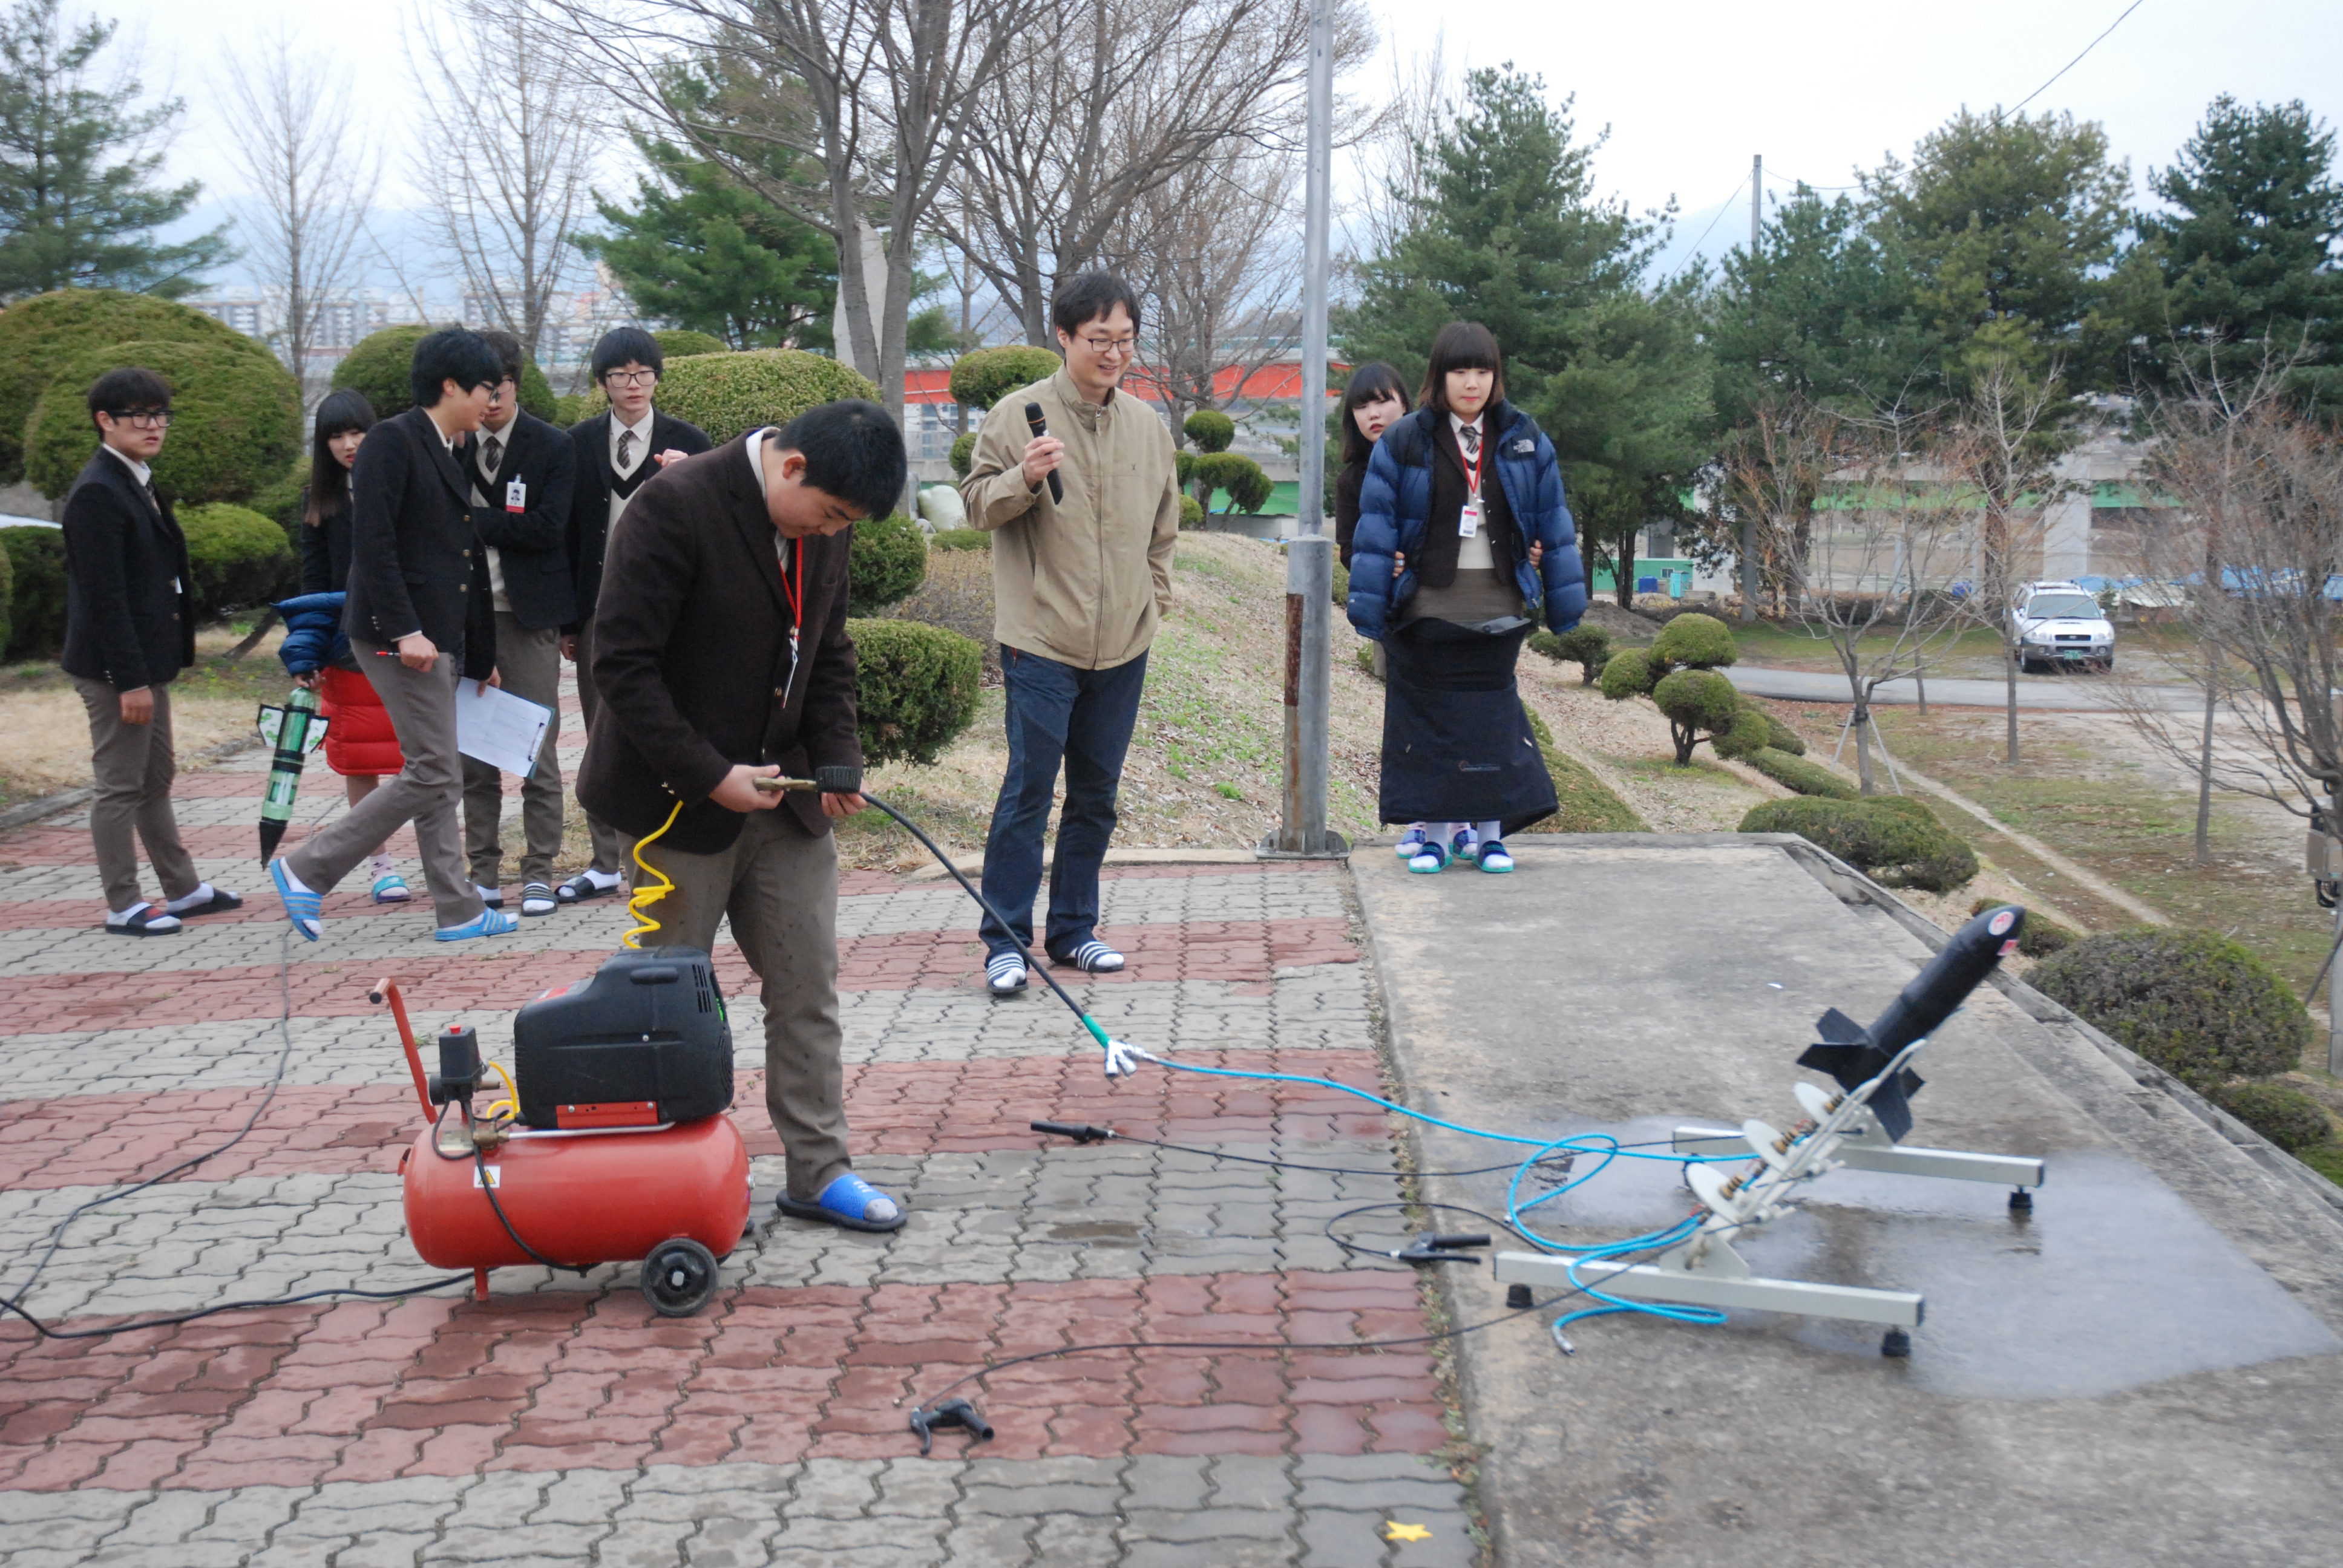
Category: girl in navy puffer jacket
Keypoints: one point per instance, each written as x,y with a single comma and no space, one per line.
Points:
1463,542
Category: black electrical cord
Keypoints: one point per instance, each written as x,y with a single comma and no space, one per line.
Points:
15,1304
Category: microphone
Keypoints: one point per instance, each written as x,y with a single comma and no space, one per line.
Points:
1041,427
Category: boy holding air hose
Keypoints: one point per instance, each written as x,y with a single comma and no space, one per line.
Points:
720,656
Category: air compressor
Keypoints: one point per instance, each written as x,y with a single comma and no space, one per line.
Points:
609,1142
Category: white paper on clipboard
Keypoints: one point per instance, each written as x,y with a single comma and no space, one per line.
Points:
499,728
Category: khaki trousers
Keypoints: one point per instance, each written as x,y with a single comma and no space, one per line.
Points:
422,708
530,665
779,885
610,844
134,766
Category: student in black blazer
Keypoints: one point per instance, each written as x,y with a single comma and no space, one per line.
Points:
130,628
418,618
618,454
520,470
340,424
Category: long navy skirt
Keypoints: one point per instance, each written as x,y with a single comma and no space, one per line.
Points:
1457,746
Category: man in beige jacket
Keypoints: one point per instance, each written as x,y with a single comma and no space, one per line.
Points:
1084,519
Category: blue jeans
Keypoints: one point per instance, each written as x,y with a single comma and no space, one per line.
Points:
1082,718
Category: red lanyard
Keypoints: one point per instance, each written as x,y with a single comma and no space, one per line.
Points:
793,592
1473,466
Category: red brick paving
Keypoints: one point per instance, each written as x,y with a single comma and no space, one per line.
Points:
896,1108
1246,952
441,1386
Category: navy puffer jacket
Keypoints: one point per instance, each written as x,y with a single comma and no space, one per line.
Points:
1395,505
313,633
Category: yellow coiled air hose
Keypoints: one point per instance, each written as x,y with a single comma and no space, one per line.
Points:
639,904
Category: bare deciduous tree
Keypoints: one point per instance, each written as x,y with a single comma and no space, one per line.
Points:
505,195
2009,450
312,177
1104,104
1870,576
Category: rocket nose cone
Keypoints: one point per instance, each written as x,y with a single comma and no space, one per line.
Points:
270,833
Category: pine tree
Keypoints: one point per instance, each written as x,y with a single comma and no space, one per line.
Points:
2246,257
78,156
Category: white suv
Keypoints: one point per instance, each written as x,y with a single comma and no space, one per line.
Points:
2060,623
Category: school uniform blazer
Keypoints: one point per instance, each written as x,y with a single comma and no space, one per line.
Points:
691,654
415,564
589,504
325,551
532,544
130,601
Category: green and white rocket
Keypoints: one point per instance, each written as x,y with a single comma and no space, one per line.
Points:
295,729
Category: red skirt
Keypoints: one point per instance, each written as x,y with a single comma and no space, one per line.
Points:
360,740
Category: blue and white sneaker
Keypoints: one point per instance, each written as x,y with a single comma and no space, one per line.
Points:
492,923
1494,858
850,1202
1466,846
1411,843
1429,860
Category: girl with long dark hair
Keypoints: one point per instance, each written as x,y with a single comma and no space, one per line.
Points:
361,744
1463,543
1373,398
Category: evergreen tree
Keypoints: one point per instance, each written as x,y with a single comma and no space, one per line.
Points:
702,251
1510,234
2010,225
78,207
2247,257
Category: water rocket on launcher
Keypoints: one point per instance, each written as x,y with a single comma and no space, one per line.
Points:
295,729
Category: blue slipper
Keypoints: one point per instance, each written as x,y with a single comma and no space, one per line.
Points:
492,923
850,1202
1411,843
1495,857
391,889
1429,860
301,908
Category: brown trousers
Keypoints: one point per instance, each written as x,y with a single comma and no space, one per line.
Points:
779,885
134,766
529,662
422,707
610,845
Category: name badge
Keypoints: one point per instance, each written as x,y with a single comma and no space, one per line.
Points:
517,497
1468,521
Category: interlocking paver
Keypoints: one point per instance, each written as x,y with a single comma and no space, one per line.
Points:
560,1422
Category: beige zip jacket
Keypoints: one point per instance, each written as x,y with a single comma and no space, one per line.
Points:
1085,582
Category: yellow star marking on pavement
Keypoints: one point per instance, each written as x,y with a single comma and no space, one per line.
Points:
1395,1531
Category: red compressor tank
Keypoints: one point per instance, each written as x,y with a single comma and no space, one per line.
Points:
676,1196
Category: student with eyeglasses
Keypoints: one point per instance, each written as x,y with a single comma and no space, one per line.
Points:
1083,519
616,454
130,628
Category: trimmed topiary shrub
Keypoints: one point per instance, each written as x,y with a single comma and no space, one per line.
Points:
1700,704
1627,673
1892,839
2195,1003
1696,642
36,591
1247,485
1748,734
2040,937
887,562
1192,512
726,393
683,343
1797,773
983,376
236,420
1184,469
915,688
1784,738
1587,647
40,336
238,557
960,539
1692,645
964,453
2285,1115
378,366
1210,429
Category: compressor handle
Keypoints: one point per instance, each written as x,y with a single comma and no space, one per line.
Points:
387,990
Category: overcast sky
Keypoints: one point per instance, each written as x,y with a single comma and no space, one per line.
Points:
1688,91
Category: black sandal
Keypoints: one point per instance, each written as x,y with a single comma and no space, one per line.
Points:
148,922
219,903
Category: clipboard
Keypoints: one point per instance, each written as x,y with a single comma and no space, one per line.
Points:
496,728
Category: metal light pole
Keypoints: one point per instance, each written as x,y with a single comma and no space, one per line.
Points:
1310,559
1749,521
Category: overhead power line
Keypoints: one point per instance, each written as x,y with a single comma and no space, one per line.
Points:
2077,60
1721,208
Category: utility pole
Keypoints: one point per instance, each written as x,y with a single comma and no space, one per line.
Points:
1310,559
1749,520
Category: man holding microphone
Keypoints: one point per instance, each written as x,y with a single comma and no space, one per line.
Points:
1085,513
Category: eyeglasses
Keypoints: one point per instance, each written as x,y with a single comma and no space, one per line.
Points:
140,418
1117,346
632,378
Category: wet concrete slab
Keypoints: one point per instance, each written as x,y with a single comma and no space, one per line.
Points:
2147,1369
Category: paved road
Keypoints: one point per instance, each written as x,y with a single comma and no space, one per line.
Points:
2144,1369
2074,693
558,1423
